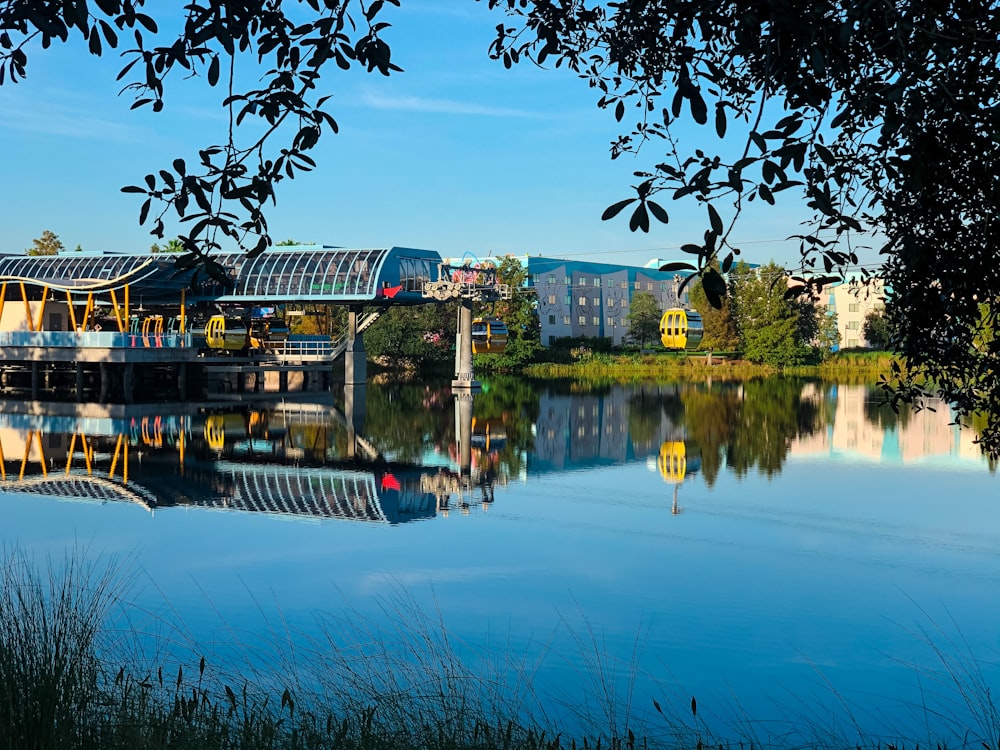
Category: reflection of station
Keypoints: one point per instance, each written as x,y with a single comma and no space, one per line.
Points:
112,328
475,452
290,460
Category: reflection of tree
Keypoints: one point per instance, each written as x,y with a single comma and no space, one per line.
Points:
750,426
879,413
513,402
709,416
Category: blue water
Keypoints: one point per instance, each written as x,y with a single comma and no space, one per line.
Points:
839,589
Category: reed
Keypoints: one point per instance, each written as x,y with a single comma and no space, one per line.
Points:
71,678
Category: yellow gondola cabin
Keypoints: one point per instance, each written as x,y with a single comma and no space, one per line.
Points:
489,336
681,329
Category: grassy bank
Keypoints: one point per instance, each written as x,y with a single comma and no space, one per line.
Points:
633,367
75,674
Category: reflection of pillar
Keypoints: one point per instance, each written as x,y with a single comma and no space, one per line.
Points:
463,431
355,399
79,382
355,365
128,382
463,348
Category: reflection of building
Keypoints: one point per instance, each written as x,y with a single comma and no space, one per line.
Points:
584,430
863,430
250,461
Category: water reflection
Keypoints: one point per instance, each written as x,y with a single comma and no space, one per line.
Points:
396,453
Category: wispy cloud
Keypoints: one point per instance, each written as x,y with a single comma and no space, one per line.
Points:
442,106
49,117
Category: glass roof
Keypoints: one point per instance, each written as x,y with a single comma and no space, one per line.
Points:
297,273
92,273
280,274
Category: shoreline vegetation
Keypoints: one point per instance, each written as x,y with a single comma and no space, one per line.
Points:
860,367
78,672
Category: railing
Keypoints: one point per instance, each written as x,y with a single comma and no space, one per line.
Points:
93,339
318,350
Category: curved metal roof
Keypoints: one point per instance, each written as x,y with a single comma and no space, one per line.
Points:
312,273
301,273
93,273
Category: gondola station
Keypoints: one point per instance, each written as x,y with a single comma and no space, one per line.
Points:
122,327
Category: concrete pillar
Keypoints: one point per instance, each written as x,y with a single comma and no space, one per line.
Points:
464,377
355,359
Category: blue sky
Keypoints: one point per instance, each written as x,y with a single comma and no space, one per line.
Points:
456,154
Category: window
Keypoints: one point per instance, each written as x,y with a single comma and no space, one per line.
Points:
565,320
583,281
583,301
624,285
597,301
552,279
582,320
597,321
611,283
552,299
852,325
663,286
638,285
649,286
611,302
569,300
552,320
854,307
624,303
568,281
536,278
611,322
597,281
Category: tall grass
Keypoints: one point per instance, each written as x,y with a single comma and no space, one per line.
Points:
71,678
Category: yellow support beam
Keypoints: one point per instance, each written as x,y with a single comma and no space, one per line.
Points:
114,459
41,309
72,312
27,307
117,311
3,297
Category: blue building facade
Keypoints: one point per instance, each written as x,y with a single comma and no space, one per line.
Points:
585,299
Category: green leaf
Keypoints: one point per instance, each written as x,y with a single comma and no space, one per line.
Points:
616,208
720,120
715,219
659,213
640,219
699,110
677,266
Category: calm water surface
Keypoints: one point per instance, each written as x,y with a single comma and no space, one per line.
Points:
782,550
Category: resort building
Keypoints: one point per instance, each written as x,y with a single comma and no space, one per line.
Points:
581,298
850,303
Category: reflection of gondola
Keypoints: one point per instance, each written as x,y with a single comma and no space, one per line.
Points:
681,329
489,336
674,464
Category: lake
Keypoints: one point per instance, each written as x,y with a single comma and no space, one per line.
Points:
787,552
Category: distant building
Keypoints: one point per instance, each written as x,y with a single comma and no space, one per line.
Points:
850,303
580,298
